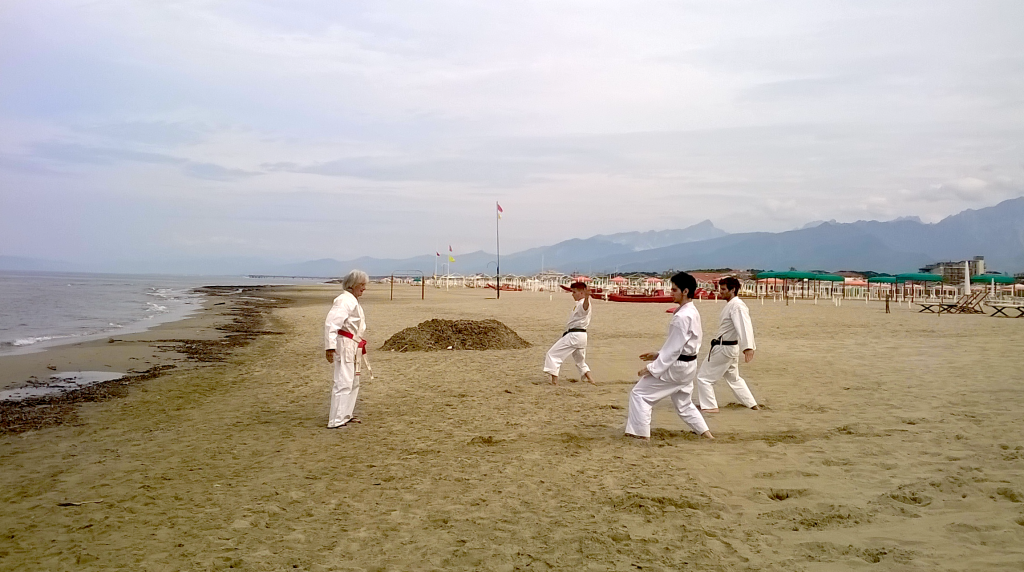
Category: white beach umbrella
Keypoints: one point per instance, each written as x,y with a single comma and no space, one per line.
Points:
967,278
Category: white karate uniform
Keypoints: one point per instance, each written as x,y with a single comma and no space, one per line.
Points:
669,377
723,361
346,315
572,343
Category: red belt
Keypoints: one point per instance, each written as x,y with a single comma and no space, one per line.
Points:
361,345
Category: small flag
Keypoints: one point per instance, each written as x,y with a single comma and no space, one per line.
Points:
451,258
499,208
450,248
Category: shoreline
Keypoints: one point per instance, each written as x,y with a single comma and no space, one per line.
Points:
229,317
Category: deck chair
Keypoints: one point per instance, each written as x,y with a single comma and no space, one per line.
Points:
970,304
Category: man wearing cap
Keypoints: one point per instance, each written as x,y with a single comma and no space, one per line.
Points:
735,335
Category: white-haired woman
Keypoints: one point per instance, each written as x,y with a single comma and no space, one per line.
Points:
343,338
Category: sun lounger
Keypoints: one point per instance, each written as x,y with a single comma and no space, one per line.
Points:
967,304
935,307
972,305
1002,307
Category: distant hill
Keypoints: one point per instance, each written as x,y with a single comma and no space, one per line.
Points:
901,245
997,233
825,246
658,238
577,254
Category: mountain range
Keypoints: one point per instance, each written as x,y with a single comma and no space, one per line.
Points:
901,245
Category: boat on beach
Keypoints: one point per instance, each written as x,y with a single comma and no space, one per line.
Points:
657,296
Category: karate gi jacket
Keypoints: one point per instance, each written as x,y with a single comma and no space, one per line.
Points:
347,315
735,325
684,337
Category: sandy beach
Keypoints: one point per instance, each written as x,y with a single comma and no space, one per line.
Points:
889,442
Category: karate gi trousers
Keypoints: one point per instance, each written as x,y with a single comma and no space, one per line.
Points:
650,390
574,344
346,384
722,362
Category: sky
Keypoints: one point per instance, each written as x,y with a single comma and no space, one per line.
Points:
295,130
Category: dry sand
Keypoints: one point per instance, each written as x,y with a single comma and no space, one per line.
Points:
890,442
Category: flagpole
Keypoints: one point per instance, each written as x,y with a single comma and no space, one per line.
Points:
497,243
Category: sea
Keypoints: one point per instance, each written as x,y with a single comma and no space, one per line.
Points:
40,310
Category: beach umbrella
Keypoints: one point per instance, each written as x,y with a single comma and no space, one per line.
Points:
992,278
967,278
652,280
618,279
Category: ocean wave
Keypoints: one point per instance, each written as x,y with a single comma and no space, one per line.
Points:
167,293
21,342
156,307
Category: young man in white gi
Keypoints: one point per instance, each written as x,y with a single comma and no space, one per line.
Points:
670,373
574,340
735,335
343,339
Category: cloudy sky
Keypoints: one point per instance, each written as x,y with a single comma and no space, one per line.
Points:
302,129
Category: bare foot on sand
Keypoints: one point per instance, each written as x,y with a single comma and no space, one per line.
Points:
588,379
554,380
715,410
757,408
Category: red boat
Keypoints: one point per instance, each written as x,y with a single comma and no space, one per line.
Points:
657,297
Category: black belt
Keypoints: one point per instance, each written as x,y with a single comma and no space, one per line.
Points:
721,342
574,330
686,358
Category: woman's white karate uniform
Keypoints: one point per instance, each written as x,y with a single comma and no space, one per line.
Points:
669,377
572,343
346,315
723,361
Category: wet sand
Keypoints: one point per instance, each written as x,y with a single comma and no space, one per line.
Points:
31,384
890,442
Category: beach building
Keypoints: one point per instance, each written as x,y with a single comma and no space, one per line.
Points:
952,272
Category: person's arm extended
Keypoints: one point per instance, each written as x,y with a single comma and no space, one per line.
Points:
586,299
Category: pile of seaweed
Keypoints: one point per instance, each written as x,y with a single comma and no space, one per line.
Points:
437,334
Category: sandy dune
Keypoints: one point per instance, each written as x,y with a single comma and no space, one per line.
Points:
890,442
